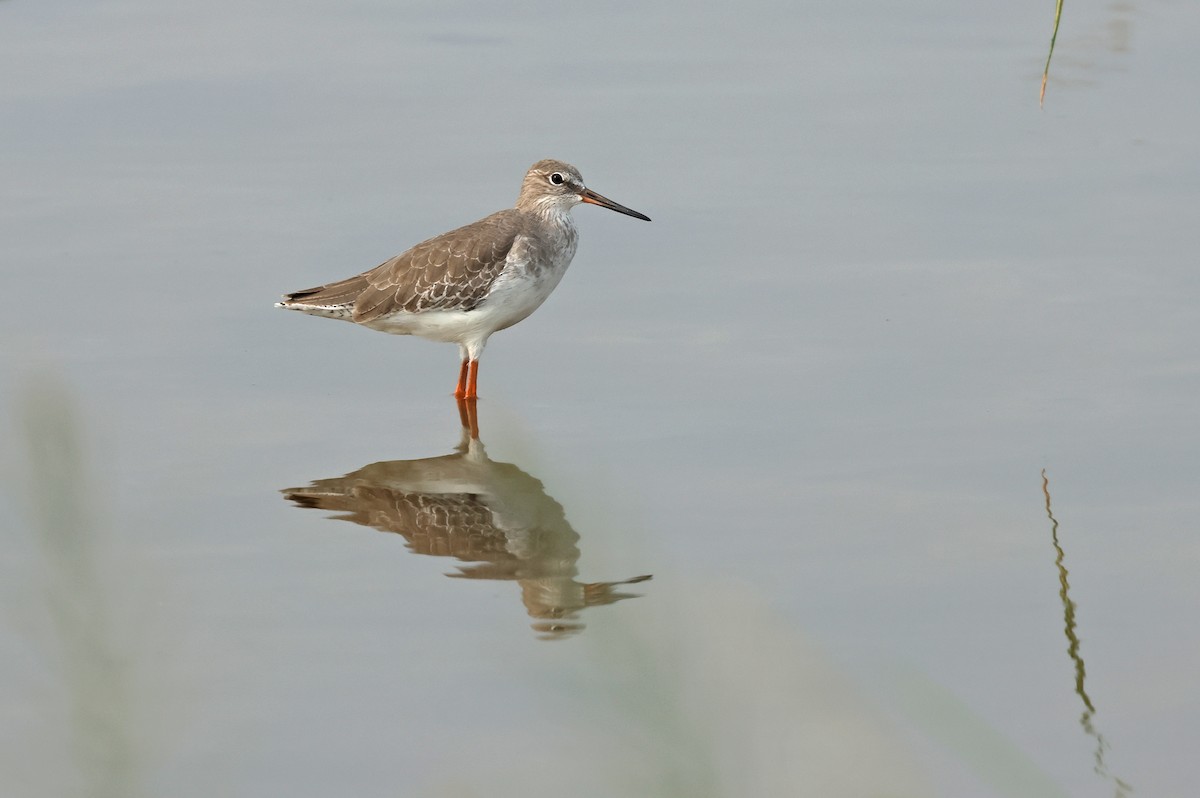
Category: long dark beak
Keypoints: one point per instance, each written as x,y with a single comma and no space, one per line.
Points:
591,197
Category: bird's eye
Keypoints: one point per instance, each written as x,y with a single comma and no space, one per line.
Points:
557,179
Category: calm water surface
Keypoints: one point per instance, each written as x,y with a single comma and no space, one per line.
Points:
882,295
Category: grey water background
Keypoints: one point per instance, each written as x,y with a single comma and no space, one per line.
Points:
814,398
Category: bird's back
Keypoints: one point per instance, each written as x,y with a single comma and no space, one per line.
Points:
453,271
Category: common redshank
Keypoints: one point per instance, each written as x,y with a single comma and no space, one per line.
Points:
462,286
494,517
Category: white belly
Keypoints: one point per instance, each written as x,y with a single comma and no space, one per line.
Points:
511,300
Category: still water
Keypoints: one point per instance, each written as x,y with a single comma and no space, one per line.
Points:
894,402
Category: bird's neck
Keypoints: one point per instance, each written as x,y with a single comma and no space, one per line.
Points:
555,217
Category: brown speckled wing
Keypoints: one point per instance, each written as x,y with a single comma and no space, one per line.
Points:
340,294
454,271
441,524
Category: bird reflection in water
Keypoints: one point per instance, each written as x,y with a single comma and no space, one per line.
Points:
1121,789
491,515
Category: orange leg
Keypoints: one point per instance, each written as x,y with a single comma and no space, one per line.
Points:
464,417
468,414
461,390
472,383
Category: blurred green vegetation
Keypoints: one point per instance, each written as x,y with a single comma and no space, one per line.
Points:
85,741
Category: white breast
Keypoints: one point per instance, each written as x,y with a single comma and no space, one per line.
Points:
532,271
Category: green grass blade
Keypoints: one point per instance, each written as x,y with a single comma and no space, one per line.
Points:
1049,55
